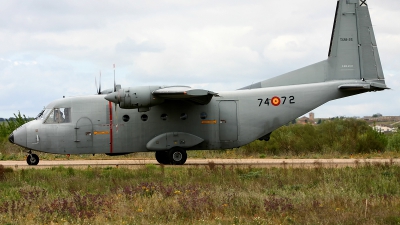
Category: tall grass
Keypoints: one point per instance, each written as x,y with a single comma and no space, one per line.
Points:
201,195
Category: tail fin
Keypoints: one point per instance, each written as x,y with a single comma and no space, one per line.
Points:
353,53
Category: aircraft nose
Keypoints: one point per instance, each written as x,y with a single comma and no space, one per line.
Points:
19,136
11,138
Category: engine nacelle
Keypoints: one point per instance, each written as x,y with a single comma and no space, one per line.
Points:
140,98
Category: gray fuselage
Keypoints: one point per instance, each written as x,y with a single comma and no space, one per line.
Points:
233,119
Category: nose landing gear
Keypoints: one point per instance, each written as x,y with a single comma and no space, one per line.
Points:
32,159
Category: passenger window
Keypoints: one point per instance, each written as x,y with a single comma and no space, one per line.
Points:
125,118
59,115
203,115
144,117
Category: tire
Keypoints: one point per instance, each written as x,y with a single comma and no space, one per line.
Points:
162,157
32,159
177,156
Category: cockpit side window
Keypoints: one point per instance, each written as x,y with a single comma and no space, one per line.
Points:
67,115
59,115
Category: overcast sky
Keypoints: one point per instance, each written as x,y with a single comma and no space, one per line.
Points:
51,49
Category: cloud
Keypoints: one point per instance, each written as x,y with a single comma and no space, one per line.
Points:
130,46
52,49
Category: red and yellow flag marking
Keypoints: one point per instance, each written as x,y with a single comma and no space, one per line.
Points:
276,101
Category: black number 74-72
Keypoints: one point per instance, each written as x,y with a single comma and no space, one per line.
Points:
276,101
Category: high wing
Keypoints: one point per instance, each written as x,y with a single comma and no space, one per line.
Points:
196,96
144,97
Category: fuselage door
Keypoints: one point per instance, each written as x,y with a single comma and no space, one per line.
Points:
228,125
84,133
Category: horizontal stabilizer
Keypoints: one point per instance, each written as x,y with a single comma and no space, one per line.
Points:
197,96
367,86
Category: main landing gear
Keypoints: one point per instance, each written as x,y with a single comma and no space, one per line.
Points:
174,156
32,159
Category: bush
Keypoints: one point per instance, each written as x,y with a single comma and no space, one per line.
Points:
345,136
294,139
7,127
394,142
371,141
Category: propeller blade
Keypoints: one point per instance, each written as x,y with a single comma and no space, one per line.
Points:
95,83
115,86
100,83
118,100
98,88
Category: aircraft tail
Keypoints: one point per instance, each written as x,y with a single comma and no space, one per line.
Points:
353,53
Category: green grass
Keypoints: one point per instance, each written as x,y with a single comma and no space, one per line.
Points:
9,151
212,154
209,194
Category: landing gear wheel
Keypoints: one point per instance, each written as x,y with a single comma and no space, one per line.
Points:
177,156
162,157
32,159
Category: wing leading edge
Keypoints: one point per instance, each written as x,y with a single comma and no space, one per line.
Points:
196,96
144,97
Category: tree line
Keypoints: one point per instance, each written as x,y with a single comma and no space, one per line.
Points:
7,126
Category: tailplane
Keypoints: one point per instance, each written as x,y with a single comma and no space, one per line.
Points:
353,53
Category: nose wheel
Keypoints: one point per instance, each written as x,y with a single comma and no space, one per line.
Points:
32,159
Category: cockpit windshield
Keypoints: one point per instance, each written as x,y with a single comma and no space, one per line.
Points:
57,115
43,114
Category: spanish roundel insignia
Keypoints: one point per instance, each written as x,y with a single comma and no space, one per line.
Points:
276,101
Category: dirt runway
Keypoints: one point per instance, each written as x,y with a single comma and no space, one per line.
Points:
262,163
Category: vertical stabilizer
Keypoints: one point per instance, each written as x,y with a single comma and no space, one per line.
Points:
353,53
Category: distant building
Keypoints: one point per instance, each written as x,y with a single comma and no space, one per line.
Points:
306,120
312,116
384,129
369,119
382,118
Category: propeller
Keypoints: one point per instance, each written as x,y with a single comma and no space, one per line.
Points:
115,89
115,95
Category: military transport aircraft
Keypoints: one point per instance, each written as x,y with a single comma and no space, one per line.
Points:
171,120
